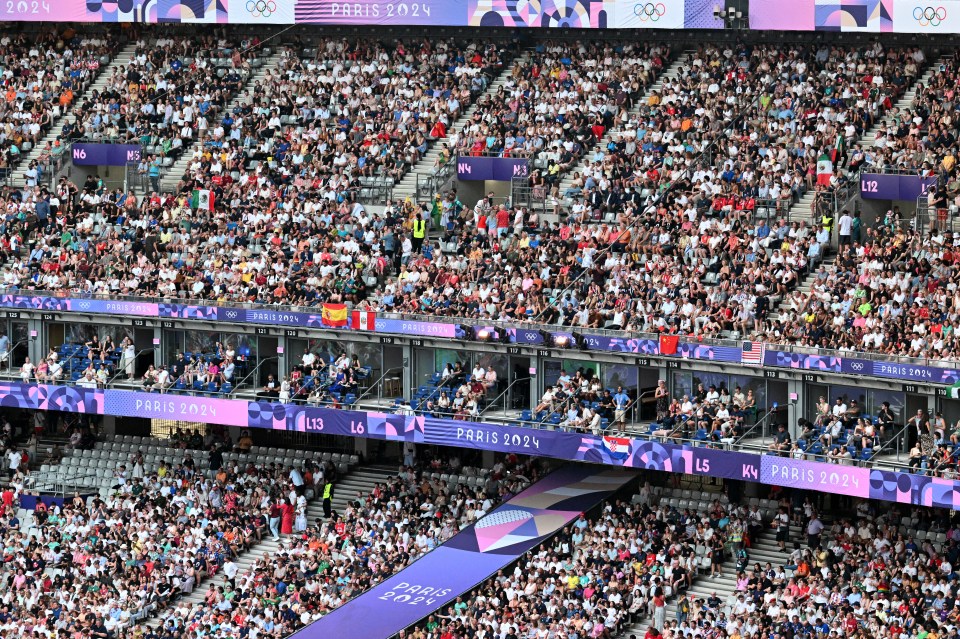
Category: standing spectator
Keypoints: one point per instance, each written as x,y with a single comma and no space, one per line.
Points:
4,347
814,528
845,228
327,499
276,513
14,460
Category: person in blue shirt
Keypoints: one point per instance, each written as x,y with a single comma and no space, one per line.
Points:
621,402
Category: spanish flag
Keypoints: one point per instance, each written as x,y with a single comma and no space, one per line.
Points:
334,314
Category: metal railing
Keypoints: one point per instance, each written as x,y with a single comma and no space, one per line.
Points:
239,384
938,362
493,402
430,184
927,218
375,190
761,424
378,384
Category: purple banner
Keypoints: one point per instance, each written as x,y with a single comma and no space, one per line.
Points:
882,186
910,372
487,168
801,361
525,336
691,350
851,481
627,452
176,407
84,154
478,552
408,327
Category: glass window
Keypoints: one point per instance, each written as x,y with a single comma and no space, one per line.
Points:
501,365
709,379
624,375
897,399
682,385
551,372
82,333
750,383
444,356
848,394
571,366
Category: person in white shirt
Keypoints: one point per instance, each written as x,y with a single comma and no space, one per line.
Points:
308,360
26,371
163,379
14,459
839,409
845,228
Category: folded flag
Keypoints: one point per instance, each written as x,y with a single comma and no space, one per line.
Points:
334,315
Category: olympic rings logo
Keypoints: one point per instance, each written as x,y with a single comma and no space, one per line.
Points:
929,16
261,8
649,12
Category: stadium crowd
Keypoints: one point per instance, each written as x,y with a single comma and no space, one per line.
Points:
95,566
43,75
560,101
312,573
597,574
277,234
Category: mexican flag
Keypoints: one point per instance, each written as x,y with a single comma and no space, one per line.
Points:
954,391
202,199
824,170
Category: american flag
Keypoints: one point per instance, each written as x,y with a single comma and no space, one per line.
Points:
752,354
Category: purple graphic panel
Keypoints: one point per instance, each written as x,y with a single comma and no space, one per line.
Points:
883,186
525,336
382,12
487,168
851,481
407,327
187,311
802,361
608,450
178,407
911,372
104,154
478,551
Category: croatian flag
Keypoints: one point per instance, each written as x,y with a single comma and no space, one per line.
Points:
364,320
752,354
618,447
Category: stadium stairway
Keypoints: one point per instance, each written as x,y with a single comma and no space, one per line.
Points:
671,72
358,480
69,117
801,210
764,549
407,187
170,177
867,139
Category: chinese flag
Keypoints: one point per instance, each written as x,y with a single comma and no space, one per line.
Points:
668,344
334,315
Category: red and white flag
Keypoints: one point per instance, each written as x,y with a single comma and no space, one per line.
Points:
364,320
